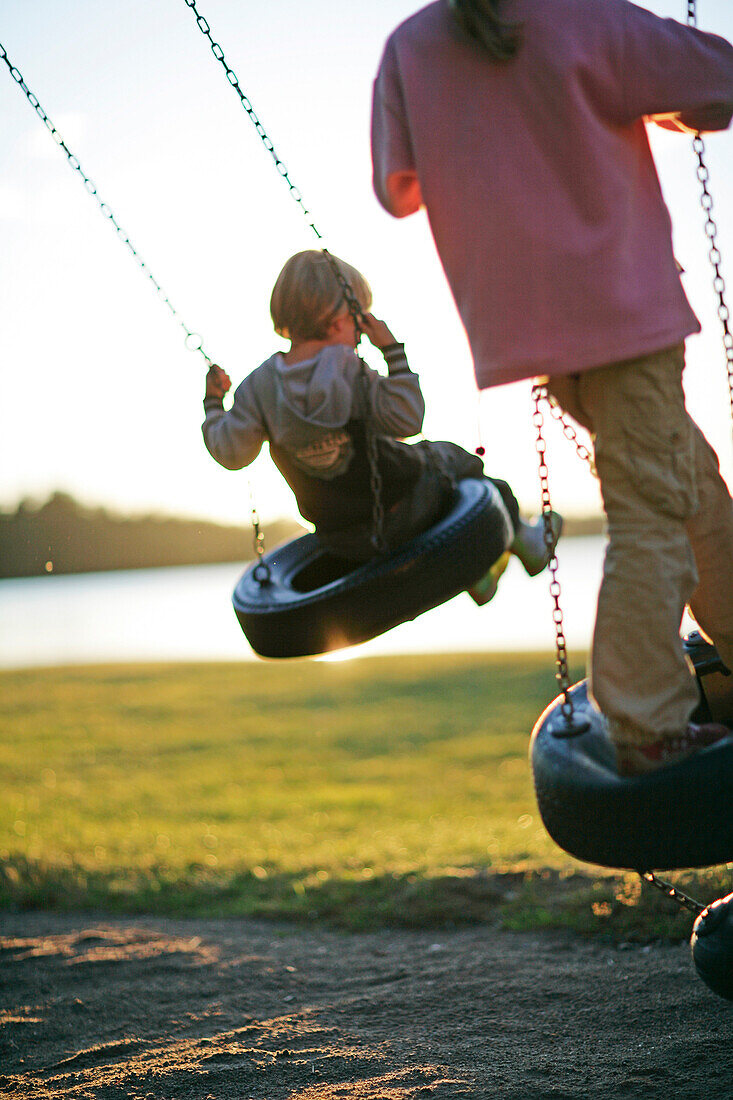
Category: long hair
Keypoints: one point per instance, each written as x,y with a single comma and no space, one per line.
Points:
481,21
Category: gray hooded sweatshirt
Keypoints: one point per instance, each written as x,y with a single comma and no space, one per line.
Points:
304,408
312,414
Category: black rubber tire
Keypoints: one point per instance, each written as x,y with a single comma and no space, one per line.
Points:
281,620
712,946
679,816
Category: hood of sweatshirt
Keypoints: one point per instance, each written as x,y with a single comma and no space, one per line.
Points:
310,398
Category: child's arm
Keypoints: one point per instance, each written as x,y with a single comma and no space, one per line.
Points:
397,407
394,177
377,332
678,75
218,382
233,438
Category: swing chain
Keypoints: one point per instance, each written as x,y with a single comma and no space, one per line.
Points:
711,232
218,52
282,169
569,431
375,477
370,436
193,340
205,28
539,392
672,892
261,570
714,255
231,76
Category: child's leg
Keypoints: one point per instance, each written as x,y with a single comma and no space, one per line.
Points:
529,538
529,544
457,464
710,531
509,499
449,460
645,461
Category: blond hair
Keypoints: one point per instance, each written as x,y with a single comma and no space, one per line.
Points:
307,296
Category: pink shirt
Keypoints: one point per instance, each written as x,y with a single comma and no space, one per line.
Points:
537,176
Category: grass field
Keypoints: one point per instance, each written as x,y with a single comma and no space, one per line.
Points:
364,793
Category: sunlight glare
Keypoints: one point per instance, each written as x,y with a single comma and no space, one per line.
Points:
338,655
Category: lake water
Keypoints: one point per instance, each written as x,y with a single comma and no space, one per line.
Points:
185,613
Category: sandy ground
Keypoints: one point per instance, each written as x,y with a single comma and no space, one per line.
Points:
213,1010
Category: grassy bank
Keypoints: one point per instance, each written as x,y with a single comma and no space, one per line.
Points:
373,792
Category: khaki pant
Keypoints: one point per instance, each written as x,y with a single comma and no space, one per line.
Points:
670,525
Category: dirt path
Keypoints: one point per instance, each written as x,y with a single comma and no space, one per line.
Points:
213,1010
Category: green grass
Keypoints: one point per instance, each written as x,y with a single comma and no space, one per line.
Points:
366,793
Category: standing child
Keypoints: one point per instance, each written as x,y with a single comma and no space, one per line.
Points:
311,404
519,124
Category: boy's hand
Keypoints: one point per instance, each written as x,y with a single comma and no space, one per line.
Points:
218,382
377,332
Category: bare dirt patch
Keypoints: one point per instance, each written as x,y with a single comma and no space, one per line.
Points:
150,1009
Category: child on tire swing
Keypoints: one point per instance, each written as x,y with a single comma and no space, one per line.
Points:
520,125
311,404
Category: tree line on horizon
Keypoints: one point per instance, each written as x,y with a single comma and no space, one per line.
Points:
62,535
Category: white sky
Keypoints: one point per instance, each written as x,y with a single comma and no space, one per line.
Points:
99,396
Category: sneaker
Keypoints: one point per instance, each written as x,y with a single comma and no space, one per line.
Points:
529,543
485,589
670,749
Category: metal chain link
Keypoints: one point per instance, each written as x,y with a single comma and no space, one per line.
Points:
193,340
375,477
231,76
569,431
282,169
672,892
698,145
539,393
711,232
261,570
714,255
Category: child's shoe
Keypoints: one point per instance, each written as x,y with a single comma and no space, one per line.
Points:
670,749
529,543
485,589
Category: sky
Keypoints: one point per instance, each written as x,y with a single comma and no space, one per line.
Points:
99,396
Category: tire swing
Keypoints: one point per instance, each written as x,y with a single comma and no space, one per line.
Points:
672,818
676,817
299,600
